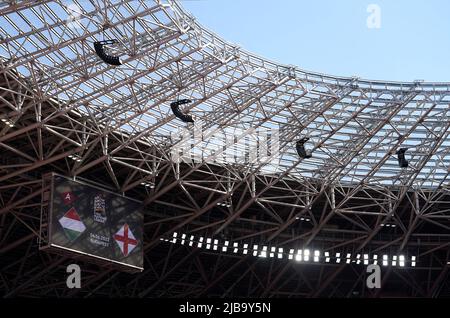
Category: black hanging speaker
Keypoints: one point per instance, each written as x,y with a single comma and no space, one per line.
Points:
402,162
178,113
99,47
300,146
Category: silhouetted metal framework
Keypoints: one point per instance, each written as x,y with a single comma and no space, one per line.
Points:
63,109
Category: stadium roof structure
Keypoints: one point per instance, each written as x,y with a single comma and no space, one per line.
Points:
102,112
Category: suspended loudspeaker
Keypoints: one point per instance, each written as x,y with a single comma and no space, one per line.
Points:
402,162
300,146
108,59
177,112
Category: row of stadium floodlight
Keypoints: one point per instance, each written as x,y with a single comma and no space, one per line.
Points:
299,255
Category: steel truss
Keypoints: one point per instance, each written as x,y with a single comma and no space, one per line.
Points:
64,110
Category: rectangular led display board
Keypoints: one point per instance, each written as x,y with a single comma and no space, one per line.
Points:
85,221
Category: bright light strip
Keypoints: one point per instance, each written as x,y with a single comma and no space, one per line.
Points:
402,261
291,254
225,248
280,253
174,241
306,255
272,252
7,122
385,260
200,243
255,250
299,256
148,185
75,158
263,252
366,259
316,256
348,258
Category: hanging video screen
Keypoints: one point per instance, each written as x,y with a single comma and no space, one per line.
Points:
96,223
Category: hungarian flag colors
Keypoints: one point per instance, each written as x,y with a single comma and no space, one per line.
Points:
72,224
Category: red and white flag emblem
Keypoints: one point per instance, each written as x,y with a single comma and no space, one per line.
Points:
126,240
68,198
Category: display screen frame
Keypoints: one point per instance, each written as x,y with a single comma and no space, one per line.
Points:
114,224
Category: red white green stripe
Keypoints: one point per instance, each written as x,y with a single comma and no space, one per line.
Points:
72,224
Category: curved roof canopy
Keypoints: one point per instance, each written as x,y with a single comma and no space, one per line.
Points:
355,127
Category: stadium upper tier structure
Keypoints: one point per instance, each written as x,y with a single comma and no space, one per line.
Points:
256,179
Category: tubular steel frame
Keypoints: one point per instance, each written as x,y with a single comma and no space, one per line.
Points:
64,110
